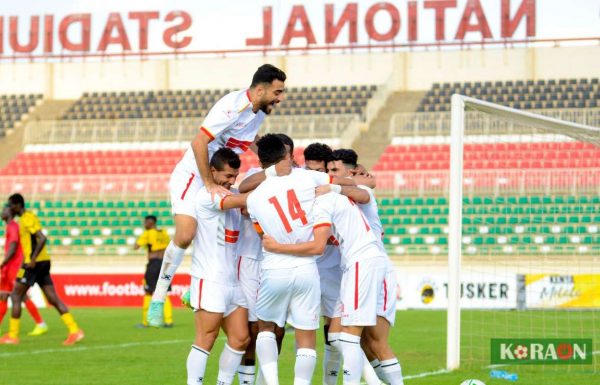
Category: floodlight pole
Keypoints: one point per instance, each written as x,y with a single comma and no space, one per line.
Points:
455,232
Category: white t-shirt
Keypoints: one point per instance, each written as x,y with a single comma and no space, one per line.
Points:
371,212
348,226
215,244
249,243
229,123
283,206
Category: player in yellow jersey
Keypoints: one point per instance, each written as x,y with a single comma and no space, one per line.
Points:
156,241
35,269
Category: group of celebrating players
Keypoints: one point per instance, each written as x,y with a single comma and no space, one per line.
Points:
290,245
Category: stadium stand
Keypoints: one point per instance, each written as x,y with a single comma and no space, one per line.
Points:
196,103
481,156
12,109
523,224
521,94
114,162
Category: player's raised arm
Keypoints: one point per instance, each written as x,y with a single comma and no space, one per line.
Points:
357,194
252,182
321,233
233,201
200,148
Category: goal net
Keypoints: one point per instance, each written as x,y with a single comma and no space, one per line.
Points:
524,242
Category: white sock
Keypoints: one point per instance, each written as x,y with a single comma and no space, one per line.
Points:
353,358
392,371
246,374
306,359
376,365
332,359
260,379
171,261
229,361
369,374
266,350
196,365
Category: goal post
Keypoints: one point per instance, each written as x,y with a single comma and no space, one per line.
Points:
460,104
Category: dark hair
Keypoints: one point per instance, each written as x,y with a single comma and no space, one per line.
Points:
347,156
225,156
151,217
287,141
17,199
318,152
271,150
266,73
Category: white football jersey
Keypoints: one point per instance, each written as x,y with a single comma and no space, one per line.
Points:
215,244
249,243
282,206
371,212
229,123
348,226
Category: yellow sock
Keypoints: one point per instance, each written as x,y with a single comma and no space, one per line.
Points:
67,318
168,311
145,307
14,324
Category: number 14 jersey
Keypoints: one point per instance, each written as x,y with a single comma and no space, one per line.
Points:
282,206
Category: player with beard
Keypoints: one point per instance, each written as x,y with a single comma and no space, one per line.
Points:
232,122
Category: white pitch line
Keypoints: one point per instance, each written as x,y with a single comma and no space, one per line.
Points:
427,374
85,348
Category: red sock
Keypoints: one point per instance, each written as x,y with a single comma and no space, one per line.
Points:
3,307
33,310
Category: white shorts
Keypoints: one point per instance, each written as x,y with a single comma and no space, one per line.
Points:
216,297
290,295
363,291
331,280
386,308
249,277
183,187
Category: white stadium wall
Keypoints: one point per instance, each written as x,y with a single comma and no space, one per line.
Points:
406,70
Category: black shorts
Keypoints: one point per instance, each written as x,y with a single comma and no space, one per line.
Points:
40,274
151,275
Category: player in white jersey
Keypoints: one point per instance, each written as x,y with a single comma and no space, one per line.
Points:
232,122
289,287
375,340
250,254
363,290
215,293
316,157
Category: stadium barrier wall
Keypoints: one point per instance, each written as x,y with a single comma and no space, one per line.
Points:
407,70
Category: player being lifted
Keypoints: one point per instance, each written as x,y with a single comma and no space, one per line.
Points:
232,122
215,293
289,289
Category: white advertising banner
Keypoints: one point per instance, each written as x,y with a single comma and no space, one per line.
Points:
479,290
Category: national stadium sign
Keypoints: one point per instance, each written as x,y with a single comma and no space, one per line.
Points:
197,27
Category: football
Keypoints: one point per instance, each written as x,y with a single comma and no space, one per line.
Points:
472,382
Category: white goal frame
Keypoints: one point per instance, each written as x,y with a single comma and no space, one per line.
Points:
459,105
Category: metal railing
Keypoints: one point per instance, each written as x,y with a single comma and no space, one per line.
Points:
177,129
494,182
438,123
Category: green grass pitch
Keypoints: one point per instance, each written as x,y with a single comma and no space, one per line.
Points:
114,352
